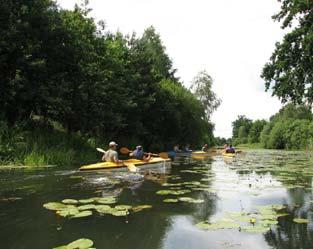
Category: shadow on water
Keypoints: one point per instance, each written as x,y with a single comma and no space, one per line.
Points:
219,185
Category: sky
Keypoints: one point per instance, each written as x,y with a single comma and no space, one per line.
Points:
231,40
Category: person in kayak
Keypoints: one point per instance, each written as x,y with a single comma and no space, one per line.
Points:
111,154
176,148
187,148
205,148
230,149
139,154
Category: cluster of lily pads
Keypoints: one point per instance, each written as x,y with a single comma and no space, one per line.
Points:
175,189
78,244
259,221
82,208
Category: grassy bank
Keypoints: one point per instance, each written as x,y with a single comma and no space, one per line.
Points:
38,144
250,146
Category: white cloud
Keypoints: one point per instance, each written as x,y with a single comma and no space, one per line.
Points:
232,40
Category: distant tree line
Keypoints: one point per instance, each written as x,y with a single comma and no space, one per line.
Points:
290,128
61,66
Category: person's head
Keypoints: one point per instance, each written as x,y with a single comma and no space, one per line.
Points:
112,145
206,145
139,147
230,146
225,145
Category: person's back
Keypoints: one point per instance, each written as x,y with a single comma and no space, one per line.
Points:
111,156
138,154
230,149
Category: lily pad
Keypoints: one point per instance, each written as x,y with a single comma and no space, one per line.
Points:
300,221
104,209
70,201
190,200
119,212
86,201
123,207
170,200
80,244
173,192
107,200
83,214
141,207
68,212
86,207
54,206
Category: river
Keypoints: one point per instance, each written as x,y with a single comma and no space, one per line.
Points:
255,200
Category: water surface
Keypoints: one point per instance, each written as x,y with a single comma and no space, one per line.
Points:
256,178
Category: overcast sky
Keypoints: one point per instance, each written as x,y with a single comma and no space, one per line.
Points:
231,40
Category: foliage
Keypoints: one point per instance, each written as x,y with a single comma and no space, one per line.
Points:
290,128
290,70
241,128
58,65
255,131
202,88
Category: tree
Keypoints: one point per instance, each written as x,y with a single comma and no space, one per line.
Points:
202,88
241,127
255,131
290,70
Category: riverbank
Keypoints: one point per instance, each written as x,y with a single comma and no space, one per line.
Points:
37,144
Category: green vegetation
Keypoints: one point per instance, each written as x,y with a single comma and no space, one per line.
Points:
290,128
92,85
289,74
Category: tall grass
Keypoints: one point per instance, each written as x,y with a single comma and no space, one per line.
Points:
37,144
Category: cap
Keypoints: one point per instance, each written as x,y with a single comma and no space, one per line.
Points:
112,144
138,147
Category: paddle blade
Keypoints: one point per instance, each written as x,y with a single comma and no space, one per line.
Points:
124,150
100,150
163,155
131,167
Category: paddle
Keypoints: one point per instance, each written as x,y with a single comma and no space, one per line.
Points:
131,167
126,151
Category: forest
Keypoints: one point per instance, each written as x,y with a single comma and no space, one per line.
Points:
69,85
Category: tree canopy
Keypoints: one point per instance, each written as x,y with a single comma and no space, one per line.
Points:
61,66
289,73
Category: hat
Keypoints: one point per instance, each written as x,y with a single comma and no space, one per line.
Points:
112,144
138,147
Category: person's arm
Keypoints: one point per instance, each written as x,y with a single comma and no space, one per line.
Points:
115,158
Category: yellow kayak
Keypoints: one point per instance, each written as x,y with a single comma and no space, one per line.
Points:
229,154
153,162
200,153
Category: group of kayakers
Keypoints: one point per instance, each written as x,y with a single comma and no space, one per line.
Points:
111,154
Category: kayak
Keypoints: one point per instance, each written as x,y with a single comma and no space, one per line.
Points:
229,154
153,162
173,154
200,153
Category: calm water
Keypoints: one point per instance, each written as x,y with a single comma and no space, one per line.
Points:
258,177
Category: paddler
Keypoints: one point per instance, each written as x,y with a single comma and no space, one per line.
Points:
205,148
139,154
111,154
230,149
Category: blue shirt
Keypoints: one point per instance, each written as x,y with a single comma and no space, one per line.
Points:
138,154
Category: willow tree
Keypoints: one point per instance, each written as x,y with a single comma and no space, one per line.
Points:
201,87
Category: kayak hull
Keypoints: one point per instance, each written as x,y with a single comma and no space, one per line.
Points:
153,163
229,154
